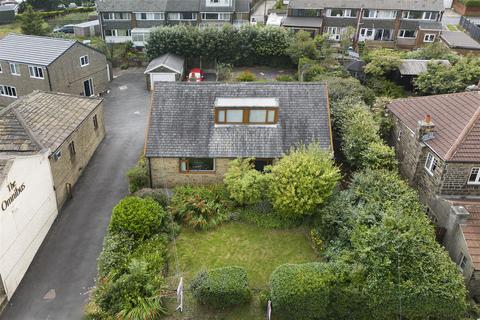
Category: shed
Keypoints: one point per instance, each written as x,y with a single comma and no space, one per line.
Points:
460,41
7,14
356,69
413,67
166,68
87,29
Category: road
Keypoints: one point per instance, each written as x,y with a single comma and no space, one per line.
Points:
57,283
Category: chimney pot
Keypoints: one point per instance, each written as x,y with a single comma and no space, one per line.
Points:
425,129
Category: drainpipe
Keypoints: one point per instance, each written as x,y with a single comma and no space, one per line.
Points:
49,80
150,173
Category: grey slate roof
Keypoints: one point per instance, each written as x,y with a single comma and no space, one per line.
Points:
356,66
413,67
308,22
183,6
169,61
131,5
182,120
459,39
42,120
33,49
434,5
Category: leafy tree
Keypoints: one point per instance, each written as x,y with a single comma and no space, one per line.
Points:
271,41
382,117
340,88
43,5
379,156
437,50
32,23
386,88
302,46
301,181
243,182
439,79
381,62
347,38
138,176
324,46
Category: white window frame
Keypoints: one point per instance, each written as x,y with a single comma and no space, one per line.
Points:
462,262
178,16
5,89
15,69
429,37
36,72
474,171
431,163
401,34
150,16
84,61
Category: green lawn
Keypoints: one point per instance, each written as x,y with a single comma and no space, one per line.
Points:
9,28
256,249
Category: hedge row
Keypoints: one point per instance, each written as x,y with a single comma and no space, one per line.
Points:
56,13
470,3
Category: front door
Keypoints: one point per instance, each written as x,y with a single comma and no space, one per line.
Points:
88,88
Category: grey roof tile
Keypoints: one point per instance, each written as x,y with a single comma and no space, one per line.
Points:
434,5
182,120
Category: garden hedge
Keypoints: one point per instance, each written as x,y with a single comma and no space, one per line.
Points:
301,291
221,288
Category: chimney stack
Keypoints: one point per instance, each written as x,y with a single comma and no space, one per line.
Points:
425,129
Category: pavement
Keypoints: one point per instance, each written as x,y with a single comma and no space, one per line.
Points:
450,17
59,280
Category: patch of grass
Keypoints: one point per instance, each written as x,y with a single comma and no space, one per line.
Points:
254,248
71,18
452,27
9,28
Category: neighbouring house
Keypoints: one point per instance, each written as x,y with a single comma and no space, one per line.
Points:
437,141
46,141
460,42
194,130
168,67
132,20
466,7
30,63
409,69
87,29
7,13
403,23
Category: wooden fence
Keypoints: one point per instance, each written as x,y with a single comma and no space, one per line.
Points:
471,28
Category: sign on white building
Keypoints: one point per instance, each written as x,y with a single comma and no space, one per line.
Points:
28,208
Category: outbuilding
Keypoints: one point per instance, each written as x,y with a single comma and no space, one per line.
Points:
87,29
166,68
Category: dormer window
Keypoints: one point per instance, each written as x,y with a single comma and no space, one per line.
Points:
248,111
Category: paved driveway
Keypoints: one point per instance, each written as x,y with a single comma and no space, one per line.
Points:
57,282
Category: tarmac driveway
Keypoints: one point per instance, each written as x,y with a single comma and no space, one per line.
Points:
58,281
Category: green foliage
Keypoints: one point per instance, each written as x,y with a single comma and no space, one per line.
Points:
224,72
32,23
301,181
140,218
313,70
154,253
145,309
125,293
341,88
379,156
381,62
247,45
156,194
301,291
116,252
382,117
437,50
200,207
262,215
385,88
284,78
470,3
246,76
439,79
302,46
244,184
221,288
138,176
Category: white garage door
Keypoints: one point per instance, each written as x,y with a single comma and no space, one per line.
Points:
168,77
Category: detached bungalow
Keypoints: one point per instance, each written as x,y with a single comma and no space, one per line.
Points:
196,129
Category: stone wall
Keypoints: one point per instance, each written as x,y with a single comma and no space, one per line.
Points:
455,180
165,173
68,169
67,75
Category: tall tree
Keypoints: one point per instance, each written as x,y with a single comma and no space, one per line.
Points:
32,23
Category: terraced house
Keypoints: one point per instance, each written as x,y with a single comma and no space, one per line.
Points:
29,63
437,141
132,20
400,23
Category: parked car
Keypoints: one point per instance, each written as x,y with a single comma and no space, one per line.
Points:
68,28
196,75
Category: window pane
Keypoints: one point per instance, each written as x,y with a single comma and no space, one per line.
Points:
183,165
473,175
199,164
221,116
235,116
271,116
257,116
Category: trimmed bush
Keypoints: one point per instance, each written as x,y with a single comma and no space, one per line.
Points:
244,184
200,207
139,218
284,78
221,288
379,156
154,253
116,252
138,176
301,291
246,76
156,194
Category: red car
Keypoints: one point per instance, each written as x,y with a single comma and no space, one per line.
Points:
196,75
